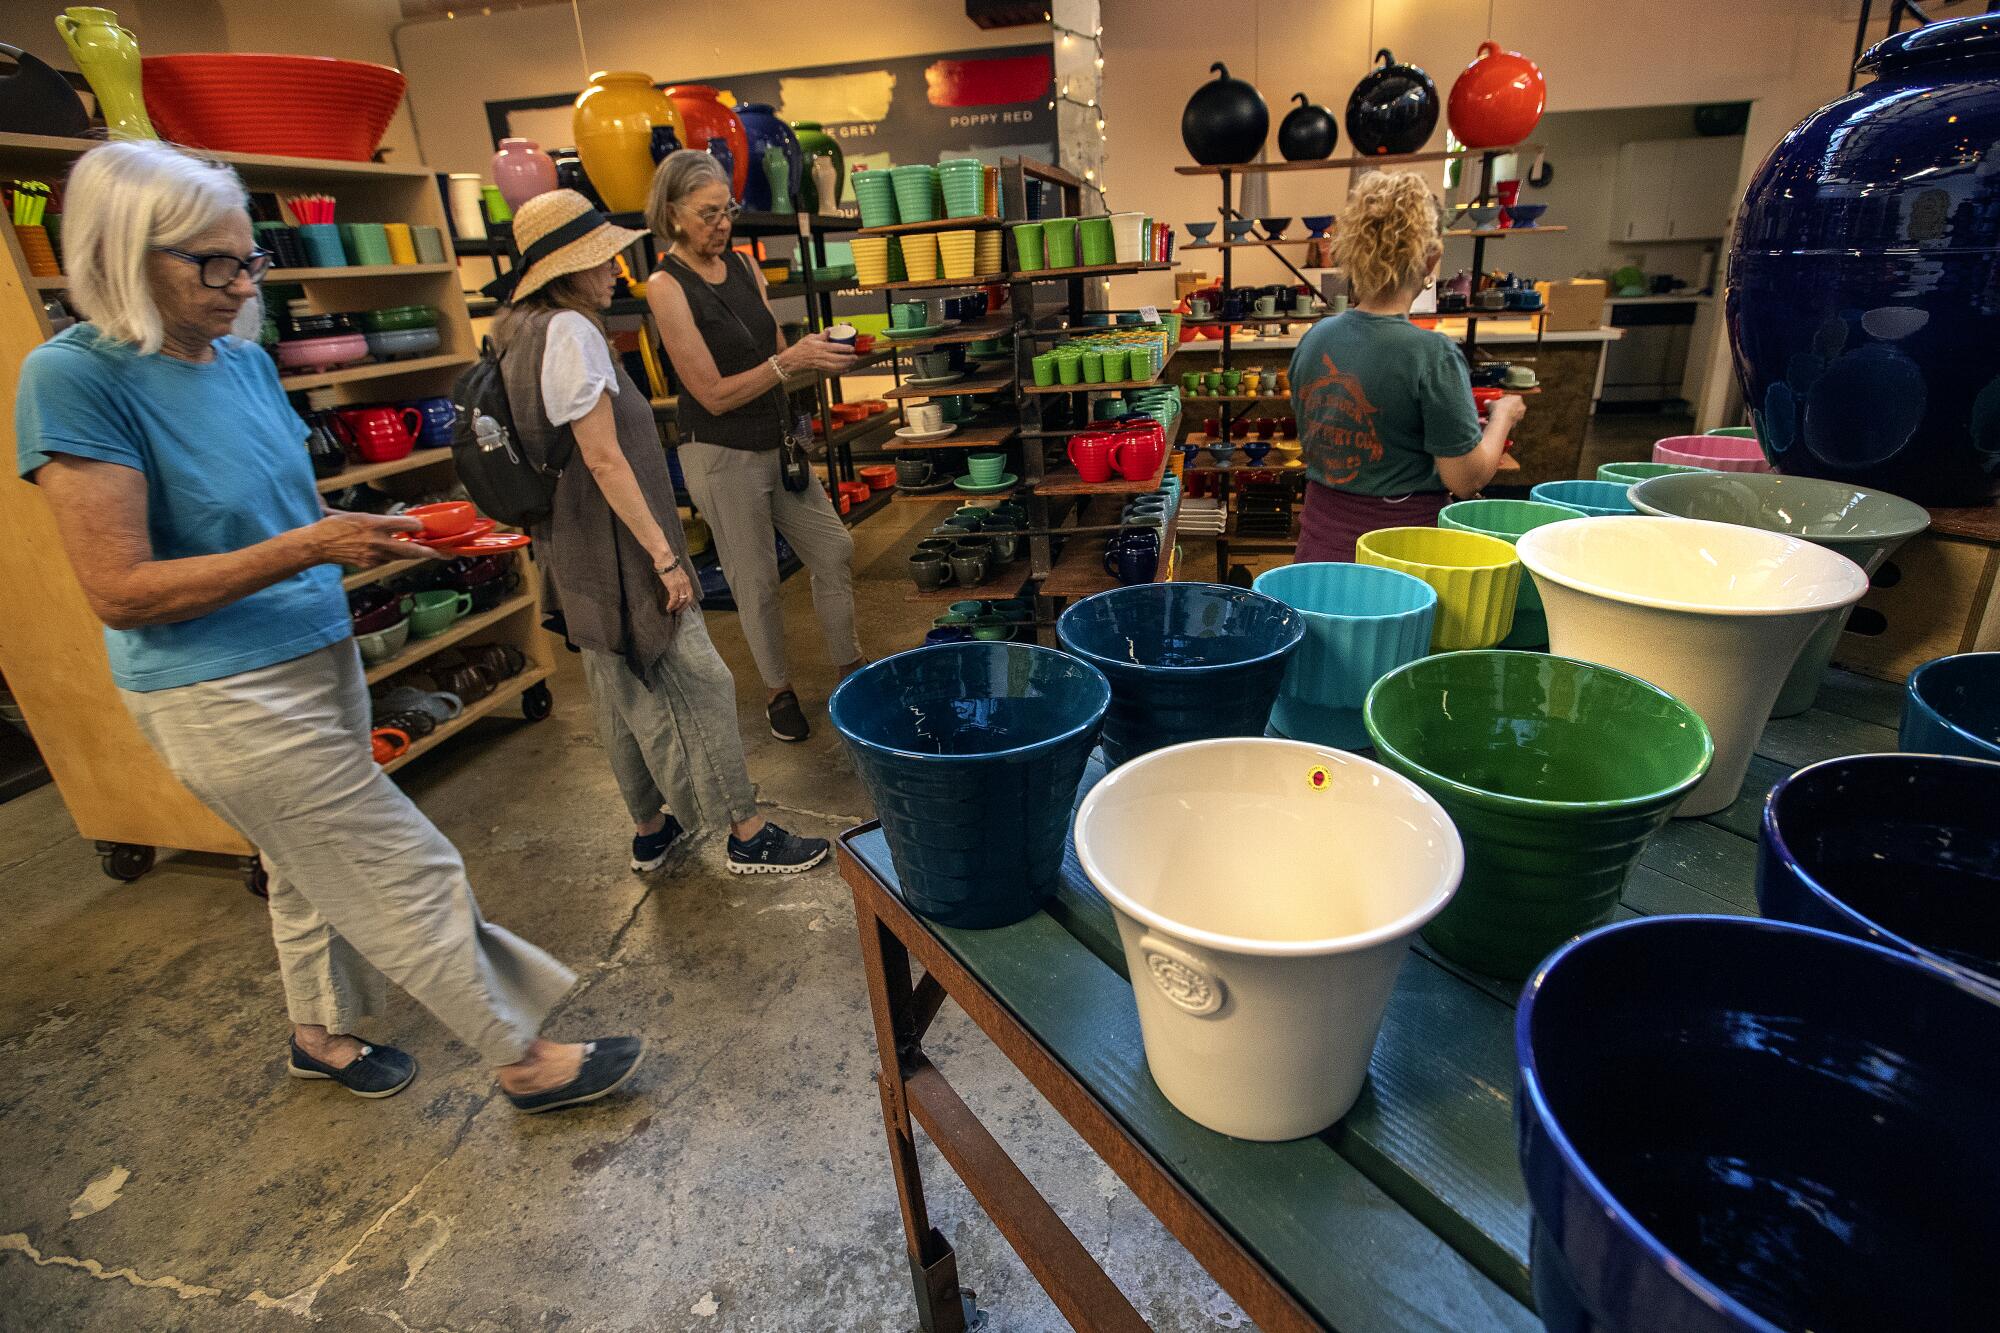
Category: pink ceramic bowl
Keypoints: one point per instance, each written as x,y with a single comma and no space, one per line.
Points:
339,349
1721,453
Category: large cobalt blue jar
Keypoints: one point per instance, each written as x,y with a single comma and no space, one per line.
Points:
1864,305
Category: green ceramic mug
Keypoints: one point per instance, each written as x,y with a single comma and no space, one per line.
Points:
1093,366
1045,368
1114,365
907,315
435,612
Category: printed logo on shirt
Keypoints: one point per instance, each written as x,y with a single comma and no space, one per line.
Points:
1339,425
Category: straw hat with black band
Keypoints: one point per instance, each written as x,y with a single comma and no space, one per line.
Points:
557,233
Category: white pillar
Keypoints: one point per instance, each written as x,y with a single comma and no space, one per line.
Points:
1077,36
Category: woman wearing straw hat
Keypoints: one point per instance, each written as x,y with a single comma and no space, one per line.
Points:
207,555
733,363
618,585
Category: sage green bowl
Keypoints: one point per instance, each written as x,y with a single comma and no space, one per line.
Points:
1507,520
1555,772
1863,525
1631,474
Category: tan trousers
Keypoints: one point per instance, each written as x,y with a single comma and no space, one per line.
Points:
745,503
363,887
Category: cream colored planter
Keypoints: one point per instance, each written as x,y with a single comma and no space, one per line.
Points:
1262,964
1712,613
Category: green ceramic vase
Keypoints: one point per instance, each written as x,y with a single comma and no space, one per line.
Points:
1555,772
1507,520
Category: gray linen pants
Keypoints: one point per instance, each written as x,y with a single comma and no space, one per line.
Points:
363,887
743,499
672,736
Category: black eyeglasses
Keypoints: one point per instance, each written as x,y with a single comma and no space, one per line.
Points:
219,270
710,216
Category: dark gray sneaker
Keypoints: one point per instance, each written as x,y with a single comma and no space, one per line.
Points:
788,722
380,1071
607,1063
775,852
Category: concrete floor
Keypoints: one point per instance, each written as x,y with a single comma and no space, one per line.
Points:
159,1172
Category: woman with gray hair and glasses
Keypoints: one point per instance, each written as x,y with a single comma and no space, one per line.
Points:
734,366
176,472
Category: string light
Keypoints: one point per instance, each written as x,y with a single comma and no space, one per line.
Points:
1096,39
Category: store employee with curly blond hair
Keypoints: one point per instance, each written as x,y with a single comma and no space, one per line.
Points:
1387,426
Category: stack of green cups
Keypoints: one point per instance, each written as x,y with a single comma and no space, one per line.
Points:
1028,246
1069,364
875,191
1095,237
1045,368
963,180
1059,238
916,191
1114,364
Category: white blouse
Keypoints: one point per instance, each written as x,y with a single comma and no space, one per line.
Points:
576,368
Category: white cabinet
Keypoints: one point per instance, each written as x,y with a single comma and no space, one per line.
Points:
1675,189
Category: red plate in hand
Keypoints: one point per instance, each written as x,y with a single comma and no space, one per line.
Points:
480,527
485,543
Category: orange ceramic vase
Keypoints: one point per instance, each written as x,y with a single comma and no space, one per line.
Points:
614,122
707,118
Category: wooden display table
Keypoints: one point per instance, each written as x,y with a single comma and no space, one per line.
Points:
1409,1214
1939,594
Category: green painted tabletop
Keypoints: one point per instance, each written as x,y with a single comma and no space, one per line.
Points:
1411,1212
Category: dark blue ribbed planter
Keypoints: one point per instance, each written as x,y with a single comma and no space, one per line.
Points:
1951,705
1187,661
1899,849
1730,1125
1861,303
972,753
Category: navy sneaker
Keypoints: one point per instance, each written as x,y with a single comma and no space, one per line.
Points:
649,851
607,1063
775,852
380,1071
788,721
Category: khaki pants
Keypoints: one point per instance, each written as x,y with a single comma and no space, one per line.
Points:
363,887
672,736
744,501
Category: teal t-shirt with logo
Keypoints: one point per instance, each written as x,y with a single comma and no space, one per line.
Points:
225,464
1379,401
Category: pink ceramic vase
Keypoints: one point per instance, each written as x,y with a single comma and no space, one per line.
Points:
522,170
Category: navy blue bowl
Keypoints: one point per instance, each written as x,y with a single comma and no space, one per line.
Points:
1951,705
1187,661
972,753
1731,1124
1899,849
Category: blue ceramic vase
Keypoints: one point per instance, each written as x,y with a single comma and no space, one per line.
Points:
1186,661
972,753
1897,849
1860,310
761,123
1740,1126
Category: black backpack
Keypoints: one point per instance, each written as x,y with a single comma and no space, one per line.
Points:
494,462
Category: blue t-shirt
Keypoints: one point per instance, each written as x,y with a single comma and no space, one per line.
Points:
225,466
1379,401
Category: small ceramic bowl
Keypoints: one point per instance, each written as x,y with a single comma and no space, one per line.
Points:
1318,223
403,342
384,644
1274,227
1201,231
1481,217
314,354
399,317
445,519
1525,215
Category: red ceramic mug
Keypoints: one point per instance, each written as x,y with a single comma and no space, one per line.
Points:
1138,452
1091,452
383,434
388,743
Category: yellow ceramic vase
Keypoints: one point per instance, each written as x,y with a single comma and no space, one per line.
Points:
108,56
614,123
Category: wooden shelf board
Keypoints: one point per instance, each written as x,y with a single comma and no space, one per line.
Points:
54,148
1090,388
58,283
1007,583
1088,271
1506,231
1345,163
986,381
1283,400
379,574
854,430
935,224
922,284
1252,244
356,271
1065,481
990,326
379,370
1080,571
878,500
504,693
419,649
1040,170
366,472
954,495
977,437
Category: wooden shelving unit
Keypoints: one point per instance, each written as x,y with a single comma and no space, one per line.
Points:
978,330
985,381
975,437
935,224
117,790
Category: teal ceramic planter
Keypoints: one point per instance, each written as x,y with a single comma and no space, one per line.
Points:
1507,520
1865,526
1631,474
1598,499
1362,622
1555,772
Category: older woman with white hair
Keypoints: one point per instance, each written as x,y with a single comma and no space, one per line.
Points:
176,472
734,366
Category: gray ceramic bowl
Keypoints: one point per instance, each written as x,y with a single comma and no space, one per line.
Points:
384,644
403,342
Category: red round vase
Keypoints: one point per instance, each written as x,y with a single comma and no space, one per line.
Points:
707,118
1498,100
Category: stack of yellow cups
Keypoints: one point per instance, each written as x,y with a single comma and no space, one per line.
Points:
987,252
871,259
920,256
955,253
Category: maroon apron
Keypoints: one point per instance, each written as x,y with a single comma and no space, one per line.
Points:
1333,519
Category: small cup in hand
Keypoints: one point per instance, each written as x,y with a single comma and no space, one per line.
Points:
844,334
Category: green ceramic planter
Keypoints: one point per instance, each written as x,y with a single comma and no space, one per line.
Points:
1507,520
1631,474
1555,772
1865,526
1735,432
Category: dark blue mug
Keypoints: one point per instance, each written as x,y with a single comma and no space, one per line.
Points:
439,415
1133,556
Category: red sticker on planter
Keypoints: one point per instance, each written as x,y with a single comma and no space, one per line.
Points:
1317,779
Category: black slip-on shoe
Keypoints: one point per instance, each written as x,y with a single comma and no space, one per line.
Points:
381,1071
787,719
607,1063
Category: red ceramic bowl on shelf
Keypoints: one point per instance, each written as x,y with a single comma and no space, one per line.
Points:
287,106
879,476
314,354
